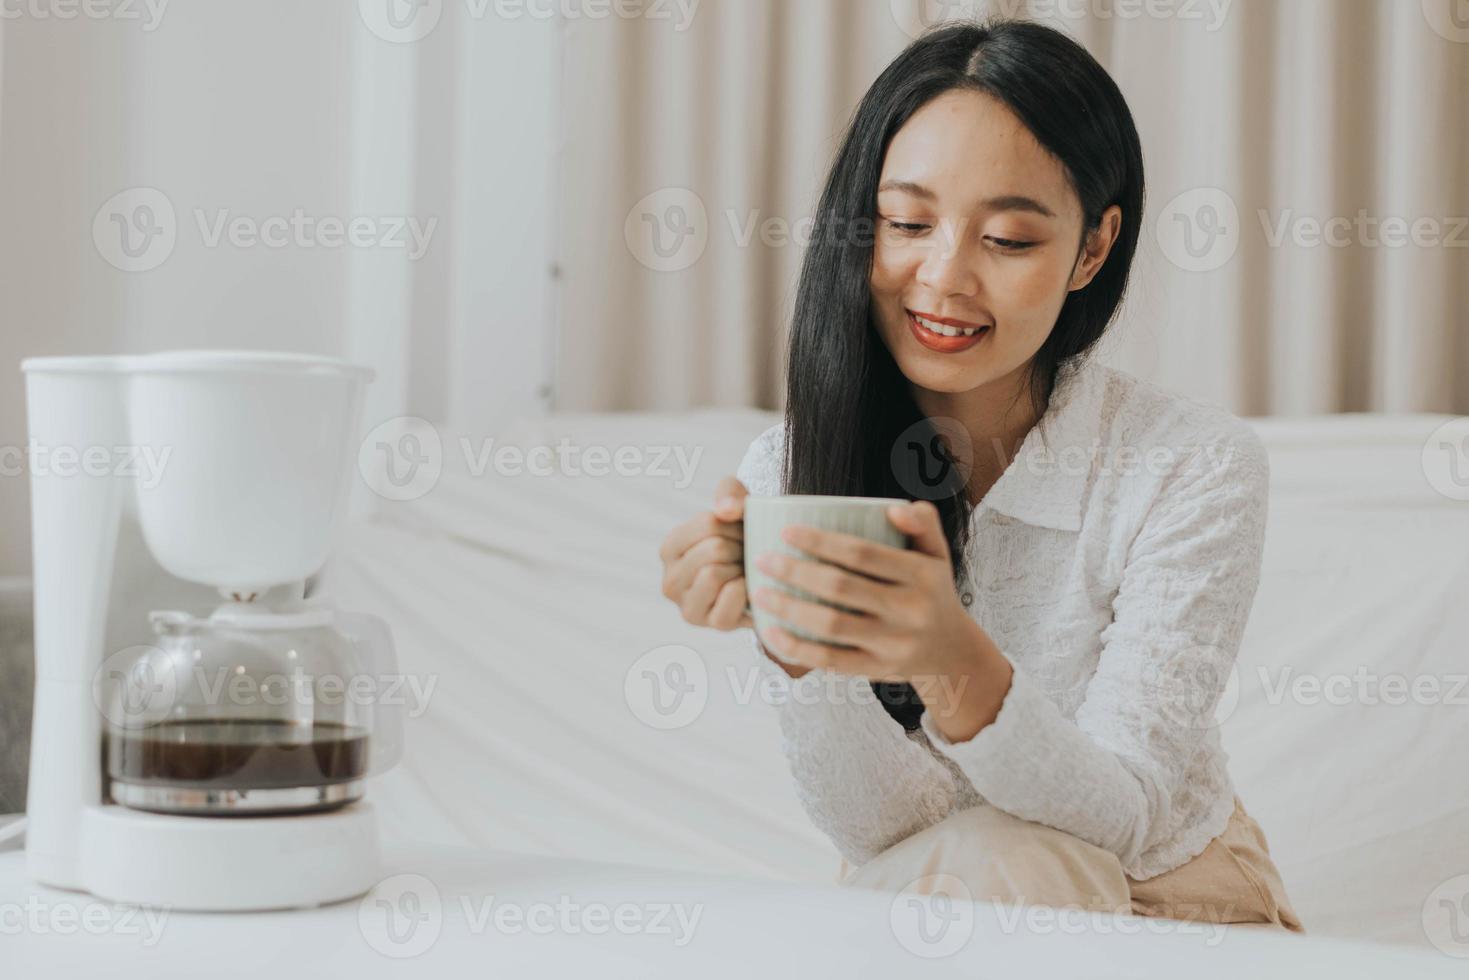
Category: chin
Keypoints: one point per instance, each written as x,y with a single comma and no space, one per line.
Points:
949,379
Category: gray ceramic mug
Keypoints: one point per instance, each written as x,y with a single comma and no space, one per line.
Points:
766,517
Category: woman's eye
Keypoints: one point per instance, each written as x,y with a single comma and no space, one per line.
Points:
1011,245
907,227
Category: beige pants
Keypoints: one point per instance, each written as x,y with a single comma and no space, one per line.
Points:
1002,858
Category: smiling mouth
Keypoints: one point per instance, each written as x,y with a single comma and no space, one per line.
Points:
945,335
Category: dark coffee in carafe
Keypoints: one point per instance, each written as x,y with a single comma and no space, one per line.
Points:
239,755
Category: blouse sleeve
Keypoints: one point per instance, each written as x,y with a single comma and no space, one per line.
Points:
864,782
1110,776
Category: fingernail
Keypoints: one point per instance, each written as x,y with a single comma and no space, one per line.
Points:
770,564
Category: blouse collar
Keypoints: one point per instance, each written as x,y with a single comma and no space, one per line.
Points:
1046,482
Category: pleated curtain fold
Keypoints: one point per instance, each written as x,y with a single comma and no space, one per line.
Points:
1304,246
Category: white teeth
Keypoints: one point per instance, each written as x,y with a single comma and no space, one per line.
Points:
946,330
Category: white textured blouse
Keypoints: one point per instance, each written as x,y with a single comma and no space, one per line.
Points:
1114,563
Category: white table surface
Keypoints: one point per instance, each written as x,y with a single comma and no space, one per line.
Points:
490,915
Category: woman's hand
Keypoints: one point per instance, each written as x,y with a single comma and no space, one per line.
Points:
704,566
907,622
704,562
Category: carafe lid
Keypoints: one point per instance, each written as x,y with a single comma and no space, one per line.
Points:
244,616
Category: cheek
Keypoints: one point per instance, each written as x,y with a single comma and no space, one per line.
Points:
892,269
1037,278
1032,288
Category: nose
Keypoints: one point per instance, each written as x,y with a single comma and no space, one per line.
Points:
948,268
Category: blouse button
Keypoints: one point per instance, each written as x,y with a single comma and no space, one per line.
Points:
967,598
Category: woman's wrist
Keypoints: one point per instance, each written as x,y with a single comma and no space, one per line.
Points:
967,699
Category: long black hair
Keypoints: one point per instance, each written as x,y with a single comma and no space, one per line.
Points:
847,403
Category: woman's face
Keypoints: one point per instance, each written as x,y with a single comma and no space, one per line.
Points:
978,244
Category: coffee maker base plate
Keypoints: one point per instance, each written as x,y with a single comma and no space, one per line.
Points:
205,864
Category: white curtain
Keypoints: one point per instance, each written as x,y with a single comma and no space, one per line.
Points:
255,111
1304,247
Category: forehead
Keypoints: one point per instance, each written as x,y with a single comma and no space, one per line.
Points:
967,146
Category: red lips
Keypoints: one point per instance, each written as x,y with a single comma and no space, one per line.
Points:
938,342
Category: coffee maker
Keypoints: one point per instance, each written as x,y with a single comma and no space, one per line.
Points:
204,728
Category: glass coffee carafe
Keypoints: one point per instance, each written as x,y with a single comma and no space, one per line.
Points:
250,711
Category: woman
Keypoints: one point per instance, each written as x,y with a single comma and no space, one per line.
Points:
1085,547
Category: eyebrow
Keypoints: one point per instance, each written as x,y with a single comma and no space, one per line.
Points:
1005,202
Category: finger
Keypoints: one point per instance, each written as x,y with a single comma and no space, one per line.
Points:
807,653
855,554
698,601
920,520
697,529
832,625
710,551
729,500
827,582
729,608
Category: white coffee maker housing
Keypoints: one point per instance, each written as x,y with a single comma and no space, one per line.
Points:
256,450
